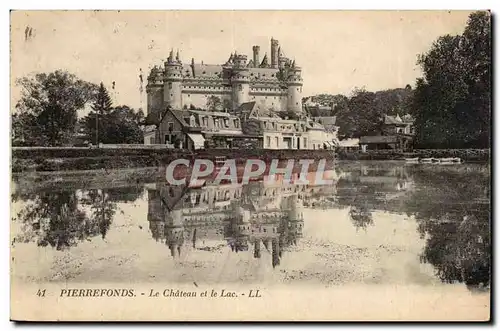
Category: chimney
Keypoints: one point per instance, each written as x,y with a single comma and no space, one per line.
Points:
274,53
256,50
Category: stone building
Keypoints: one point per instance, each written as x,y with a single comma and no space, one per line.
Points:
275,83
281,132
261,104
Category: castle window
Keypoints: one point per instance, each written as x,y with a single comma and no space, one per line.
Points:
189,95
240,87
204,72
169,84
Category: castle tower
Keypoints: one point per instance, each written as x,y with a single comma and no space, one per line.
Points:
154,91
294,83
173,82
240,81
256,50
274,53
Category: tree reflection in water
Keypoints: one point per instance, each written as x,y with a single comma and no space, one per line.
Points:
60,219
452,211
361,217
450,204
102,210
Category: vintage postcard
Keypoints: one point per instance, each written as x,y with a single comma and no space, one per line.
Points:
250,165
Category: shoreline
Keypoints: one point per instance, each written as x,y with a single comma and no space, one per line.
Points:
65,160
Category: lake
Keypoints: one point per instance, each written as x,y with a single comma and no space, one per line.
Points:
378,223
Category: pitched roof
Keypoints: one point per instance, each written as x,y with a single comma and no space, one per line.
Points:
396,120
208,113
179,115
202,70
392,120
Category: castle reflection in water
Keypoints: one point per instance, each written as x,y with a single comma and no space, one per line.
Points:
258,215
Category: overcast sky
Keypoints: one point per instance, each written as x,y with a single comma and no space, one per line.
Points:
337,50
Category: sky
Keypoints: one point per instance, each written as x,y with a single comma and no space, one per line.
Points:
337,50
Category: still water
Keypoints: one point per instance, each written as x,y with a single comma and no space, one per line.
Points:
378,223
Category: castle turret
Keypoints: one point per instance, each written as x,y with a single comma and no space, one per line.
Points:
154,91
240,81
294,83
274,53
173,81
256,50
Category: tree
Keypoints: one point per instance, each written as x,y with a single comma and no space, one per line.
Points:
452,100
214,103
121,125
46,113
96,120
361,116
102,103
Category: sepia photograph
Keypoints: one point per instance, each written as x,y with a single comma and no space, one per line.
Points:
258,165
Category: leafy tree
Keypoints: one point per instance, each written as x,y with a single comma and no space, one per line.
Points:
46,113
121,125
361,112
214,103
452,100
361,116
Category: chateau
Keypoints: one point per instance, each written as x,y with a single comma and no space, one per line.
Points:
275,83
259,105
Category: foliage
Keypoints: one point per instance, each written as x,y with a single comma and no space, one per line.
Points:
46,113
360,113
118,125
102,103
214,103
452,101
57,219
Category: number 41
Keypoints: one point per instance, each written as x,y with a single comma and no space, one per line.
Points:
40,293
